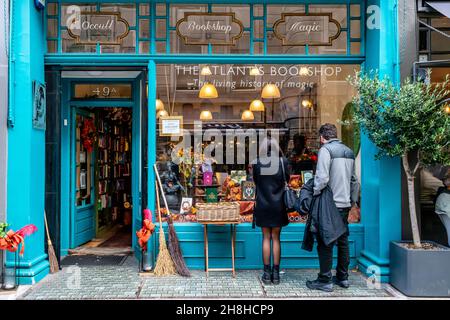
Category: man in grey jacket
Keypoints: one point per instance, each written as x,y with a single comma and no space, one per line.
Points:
336,168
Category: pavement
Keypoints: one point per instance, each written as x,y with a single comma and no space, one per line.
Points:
123,281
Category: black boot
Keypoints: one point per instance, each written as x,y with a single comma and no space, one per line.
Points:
276,274
266,275
319,285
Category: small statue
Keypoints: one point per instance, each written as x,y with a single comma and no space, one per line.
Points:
171,187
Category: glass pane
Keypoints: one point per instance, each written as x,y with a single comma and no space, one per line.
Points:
144,28
275,46
127,11
355,10
68,12
355,48
339,12
177,11
440,22
258,29
69,45
52,28
440,42
258,10
128,45
309,95
339,46
52,46
161,9
161,47
160,28
355,28
144,9
177,45
144,47
258,47
52,9
274,12
242,12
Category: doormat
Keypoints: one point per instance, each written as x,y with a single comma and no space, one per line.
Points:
93,260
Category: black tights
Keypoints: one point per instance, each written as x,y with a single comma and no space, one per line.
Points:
274,235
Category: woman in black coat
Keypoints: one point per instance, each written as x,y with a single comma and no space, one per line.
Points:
270,212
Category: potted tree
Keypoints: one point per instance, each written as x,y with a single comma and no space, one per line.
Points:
409,121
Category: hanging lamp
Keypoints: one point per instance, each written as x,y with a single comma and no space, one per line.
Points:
208,91
247,115
159,105
206,115
256,106
270,91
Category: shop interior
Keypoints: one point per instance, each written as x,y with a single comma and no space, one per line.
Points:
103,174
291,100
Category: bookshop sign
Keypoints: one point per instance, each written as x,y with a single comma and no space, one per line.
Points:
199,28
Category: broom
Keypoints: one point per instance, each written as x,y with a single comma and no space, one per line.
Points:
53,261
174,244
164,264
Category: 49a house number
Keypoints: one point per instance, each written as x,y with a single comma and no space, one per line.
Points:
105,91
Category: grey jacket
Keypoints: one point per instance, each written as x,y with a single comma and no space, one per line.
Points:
336,168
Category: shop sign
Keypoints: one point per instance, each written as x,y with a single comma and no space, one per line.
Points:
90,28
39,105
314,29
199,28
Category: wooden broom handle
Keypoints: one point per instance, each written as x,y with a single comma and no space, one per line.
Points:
158,204
46,226
162,191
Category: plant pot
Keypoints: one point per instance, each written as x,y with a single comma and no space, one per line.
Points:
419,272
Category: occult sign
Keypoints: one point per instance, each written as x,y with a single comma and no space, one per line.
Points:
314,29
105,28
199,28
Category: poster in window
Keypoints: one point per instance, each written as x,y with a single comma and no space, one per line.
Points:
171,126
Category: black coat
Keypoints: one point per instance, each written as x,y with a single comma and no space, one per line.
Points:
270,210
324,218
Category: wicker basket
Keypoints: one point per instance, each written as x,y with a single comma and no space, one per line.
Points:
218,212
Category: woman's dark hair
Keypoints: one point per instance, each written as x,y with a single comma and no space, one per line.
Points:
328,131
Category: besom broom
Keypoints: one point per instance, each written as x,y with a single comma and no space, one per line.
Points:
53,261
174,244
164,263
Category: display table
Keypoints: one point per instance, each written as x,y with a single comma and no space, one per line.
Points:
233,243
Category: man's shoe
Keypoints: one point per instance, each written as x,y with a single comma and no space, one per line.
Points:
276,274
266,277
341,283
318,285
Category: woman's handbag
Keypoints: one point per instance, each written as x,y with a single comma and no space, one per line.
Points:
289,196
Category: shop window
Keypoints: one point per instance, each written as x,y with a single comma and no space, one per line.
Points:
309,95
303,29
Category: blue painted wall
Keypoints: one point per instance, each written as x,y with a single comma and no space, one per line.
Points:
381,180
26,146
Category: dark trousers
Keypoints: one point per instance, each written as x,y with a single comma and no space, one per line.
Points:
326,254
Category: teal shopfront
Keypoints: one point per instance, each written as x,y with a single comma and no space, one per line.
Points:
123,79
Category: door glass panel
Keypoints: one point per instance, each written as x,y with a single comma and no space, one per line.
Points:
84,145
